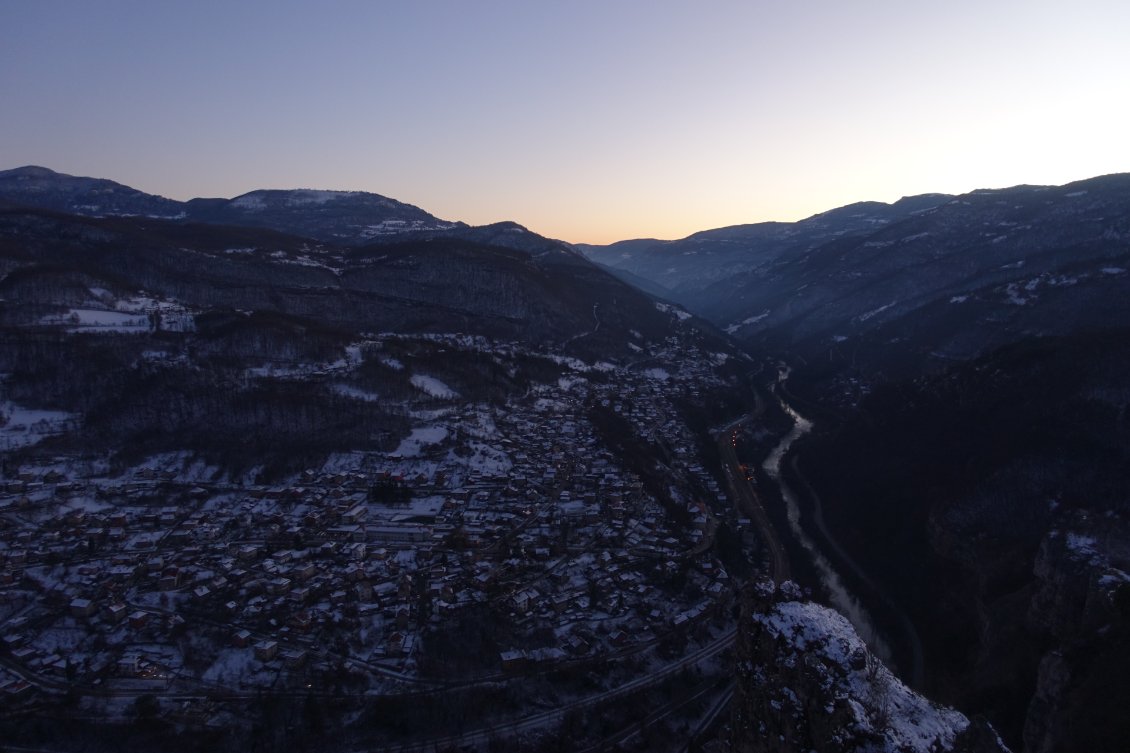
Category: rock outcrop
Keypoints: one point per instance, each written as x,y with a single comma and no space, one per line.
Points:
807,682
1083,605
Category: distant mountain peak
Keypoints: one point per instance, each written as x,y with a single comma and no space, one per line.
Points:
305,196
506,225
346,217
29,171
36,186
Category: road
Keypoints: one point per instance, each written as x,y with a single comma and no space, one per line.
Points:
745,497
701,690
593,331
483,735
707,722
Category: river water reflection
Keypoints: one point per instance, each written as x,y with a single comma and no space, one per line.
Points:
843,600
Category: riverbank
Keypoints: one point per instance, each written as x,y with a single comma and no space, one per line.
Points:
847,587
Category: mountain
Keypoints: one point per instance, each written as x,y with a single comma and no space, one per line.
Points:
346,217
964,359
951,282
965,368
906,286
47,189
335,216
234,300
452,281
685,270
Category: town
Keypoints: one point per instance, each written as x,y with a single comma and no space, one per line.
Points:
171,583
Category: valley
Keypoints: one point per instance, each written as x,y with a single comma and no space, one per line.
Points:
988,328
315,468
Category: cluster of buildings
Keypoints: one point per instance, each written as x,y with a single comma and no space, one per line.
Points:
522,514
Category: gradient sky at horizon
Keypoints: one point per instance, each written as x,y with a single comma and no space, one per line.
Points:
585,121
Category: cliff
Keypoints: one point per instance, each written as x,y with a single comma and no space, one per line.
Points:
807,682
1083,606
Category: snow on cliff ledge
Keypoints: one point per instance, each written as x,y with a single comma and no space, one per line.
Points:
883,708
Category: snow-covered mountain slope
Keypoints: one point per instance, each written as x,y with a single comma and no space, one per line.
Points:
929,278
685,269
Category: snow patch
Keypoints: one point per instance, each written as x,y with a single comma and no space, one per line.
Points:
1014,296
348,390
575,364
913,722
432,386
874,312
568,383
675,310
21,427
115,321
1084,547
306,196
411,446
751,320
252,202
1113,578
395,227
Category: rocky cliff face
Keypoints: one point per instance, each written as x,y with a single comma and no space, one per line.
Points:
989,501
807,682
1083,606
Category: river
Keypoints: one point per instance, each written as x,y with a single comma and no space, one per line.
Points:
842,599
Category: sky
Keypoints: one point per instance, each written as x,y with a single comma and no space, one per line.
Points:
585,121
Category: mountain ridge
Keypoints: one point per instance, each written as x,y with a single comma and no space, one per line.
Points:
687,267
950,275
352,217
